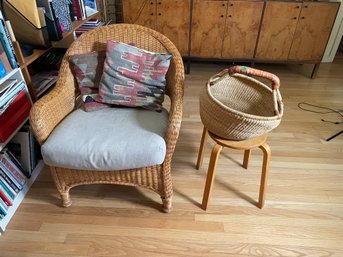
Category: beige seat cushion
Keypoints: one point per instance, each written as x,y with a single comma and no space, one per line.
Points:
108,139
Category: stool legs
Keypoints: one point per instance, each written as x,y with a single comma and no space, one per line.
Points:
202,146
210,174
246,158
265,172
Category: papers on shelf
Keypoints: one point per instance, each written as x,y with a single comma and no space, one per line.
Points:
42,81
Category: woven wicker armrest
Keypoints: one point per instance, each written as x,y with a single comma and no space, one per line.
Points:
175,80
48,111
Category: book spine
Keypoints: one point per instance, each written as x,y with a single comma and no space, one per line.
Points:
9,174
12,185
13,169
5,197
3,203
6,190
3,209
77,9
9,189
17,164
6,40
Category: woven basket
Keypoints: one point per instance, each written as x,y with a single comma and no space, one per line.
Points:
235,106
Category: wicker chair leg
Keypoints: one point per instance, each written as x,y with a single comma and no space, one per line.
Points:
66,201
167,204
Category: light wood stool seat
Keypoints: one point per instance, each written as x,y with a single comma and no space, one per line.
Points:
245,145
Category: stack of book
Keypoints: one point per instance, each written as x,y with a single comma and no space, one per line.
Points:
12,180
89,25
43,81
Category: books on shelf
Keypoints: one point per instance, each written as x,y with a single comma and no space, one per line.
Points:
8,91
84,8
25,148
14,110
3,209
88,25
12,180
43,81
52,22
11,169
7,45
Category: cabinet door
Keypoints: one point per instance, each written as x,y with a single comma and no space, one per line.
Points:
313,31
277,31
141,12
242,24
208,28
173,18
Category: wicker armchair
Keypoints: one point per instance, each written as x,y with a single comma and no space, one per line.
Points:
51,110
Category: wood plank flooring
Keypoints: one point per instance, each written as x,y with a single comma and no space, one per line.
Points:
304,202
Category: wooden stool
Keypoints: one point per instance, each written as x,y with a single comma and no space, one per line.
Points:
245,145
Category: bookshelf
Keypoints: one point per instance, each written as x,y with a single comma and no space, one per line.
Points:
21,86
17,74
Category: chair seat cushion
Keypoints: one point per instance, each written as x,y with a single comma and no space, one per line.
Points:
108,139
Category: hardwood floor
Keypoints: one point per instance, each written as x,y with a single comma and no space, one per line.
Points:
304,202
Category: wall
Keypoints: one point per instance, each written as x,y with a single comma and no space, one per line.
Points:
336,36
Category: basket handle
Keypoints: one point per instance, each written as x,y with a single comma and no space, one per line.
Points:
217,76
251,71
278,104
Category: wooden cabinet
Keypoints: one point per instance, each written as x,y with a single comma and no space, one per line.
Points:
241,29
173,21
225,29
141,12
246,30
313,30
208,26
169,17
277,30
293,31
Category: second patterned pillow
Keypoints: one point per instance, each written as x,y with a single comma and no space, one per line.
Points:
133,77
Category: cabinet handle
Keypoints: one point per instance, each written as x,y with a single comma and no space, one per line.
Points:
222,16
294,18
298,7
223,4
151,2
302,18
230,16
159,2
151,14
306,6
231,4
159,14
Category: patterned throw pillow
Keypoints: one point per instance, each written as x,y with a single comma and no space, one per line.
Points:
133,77
88,68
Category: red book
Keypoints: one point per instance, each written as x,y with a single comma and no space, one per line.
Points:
77,9
14,115
5,198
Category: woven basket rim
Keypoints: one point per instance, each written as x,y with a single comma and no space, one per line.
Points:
236,112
